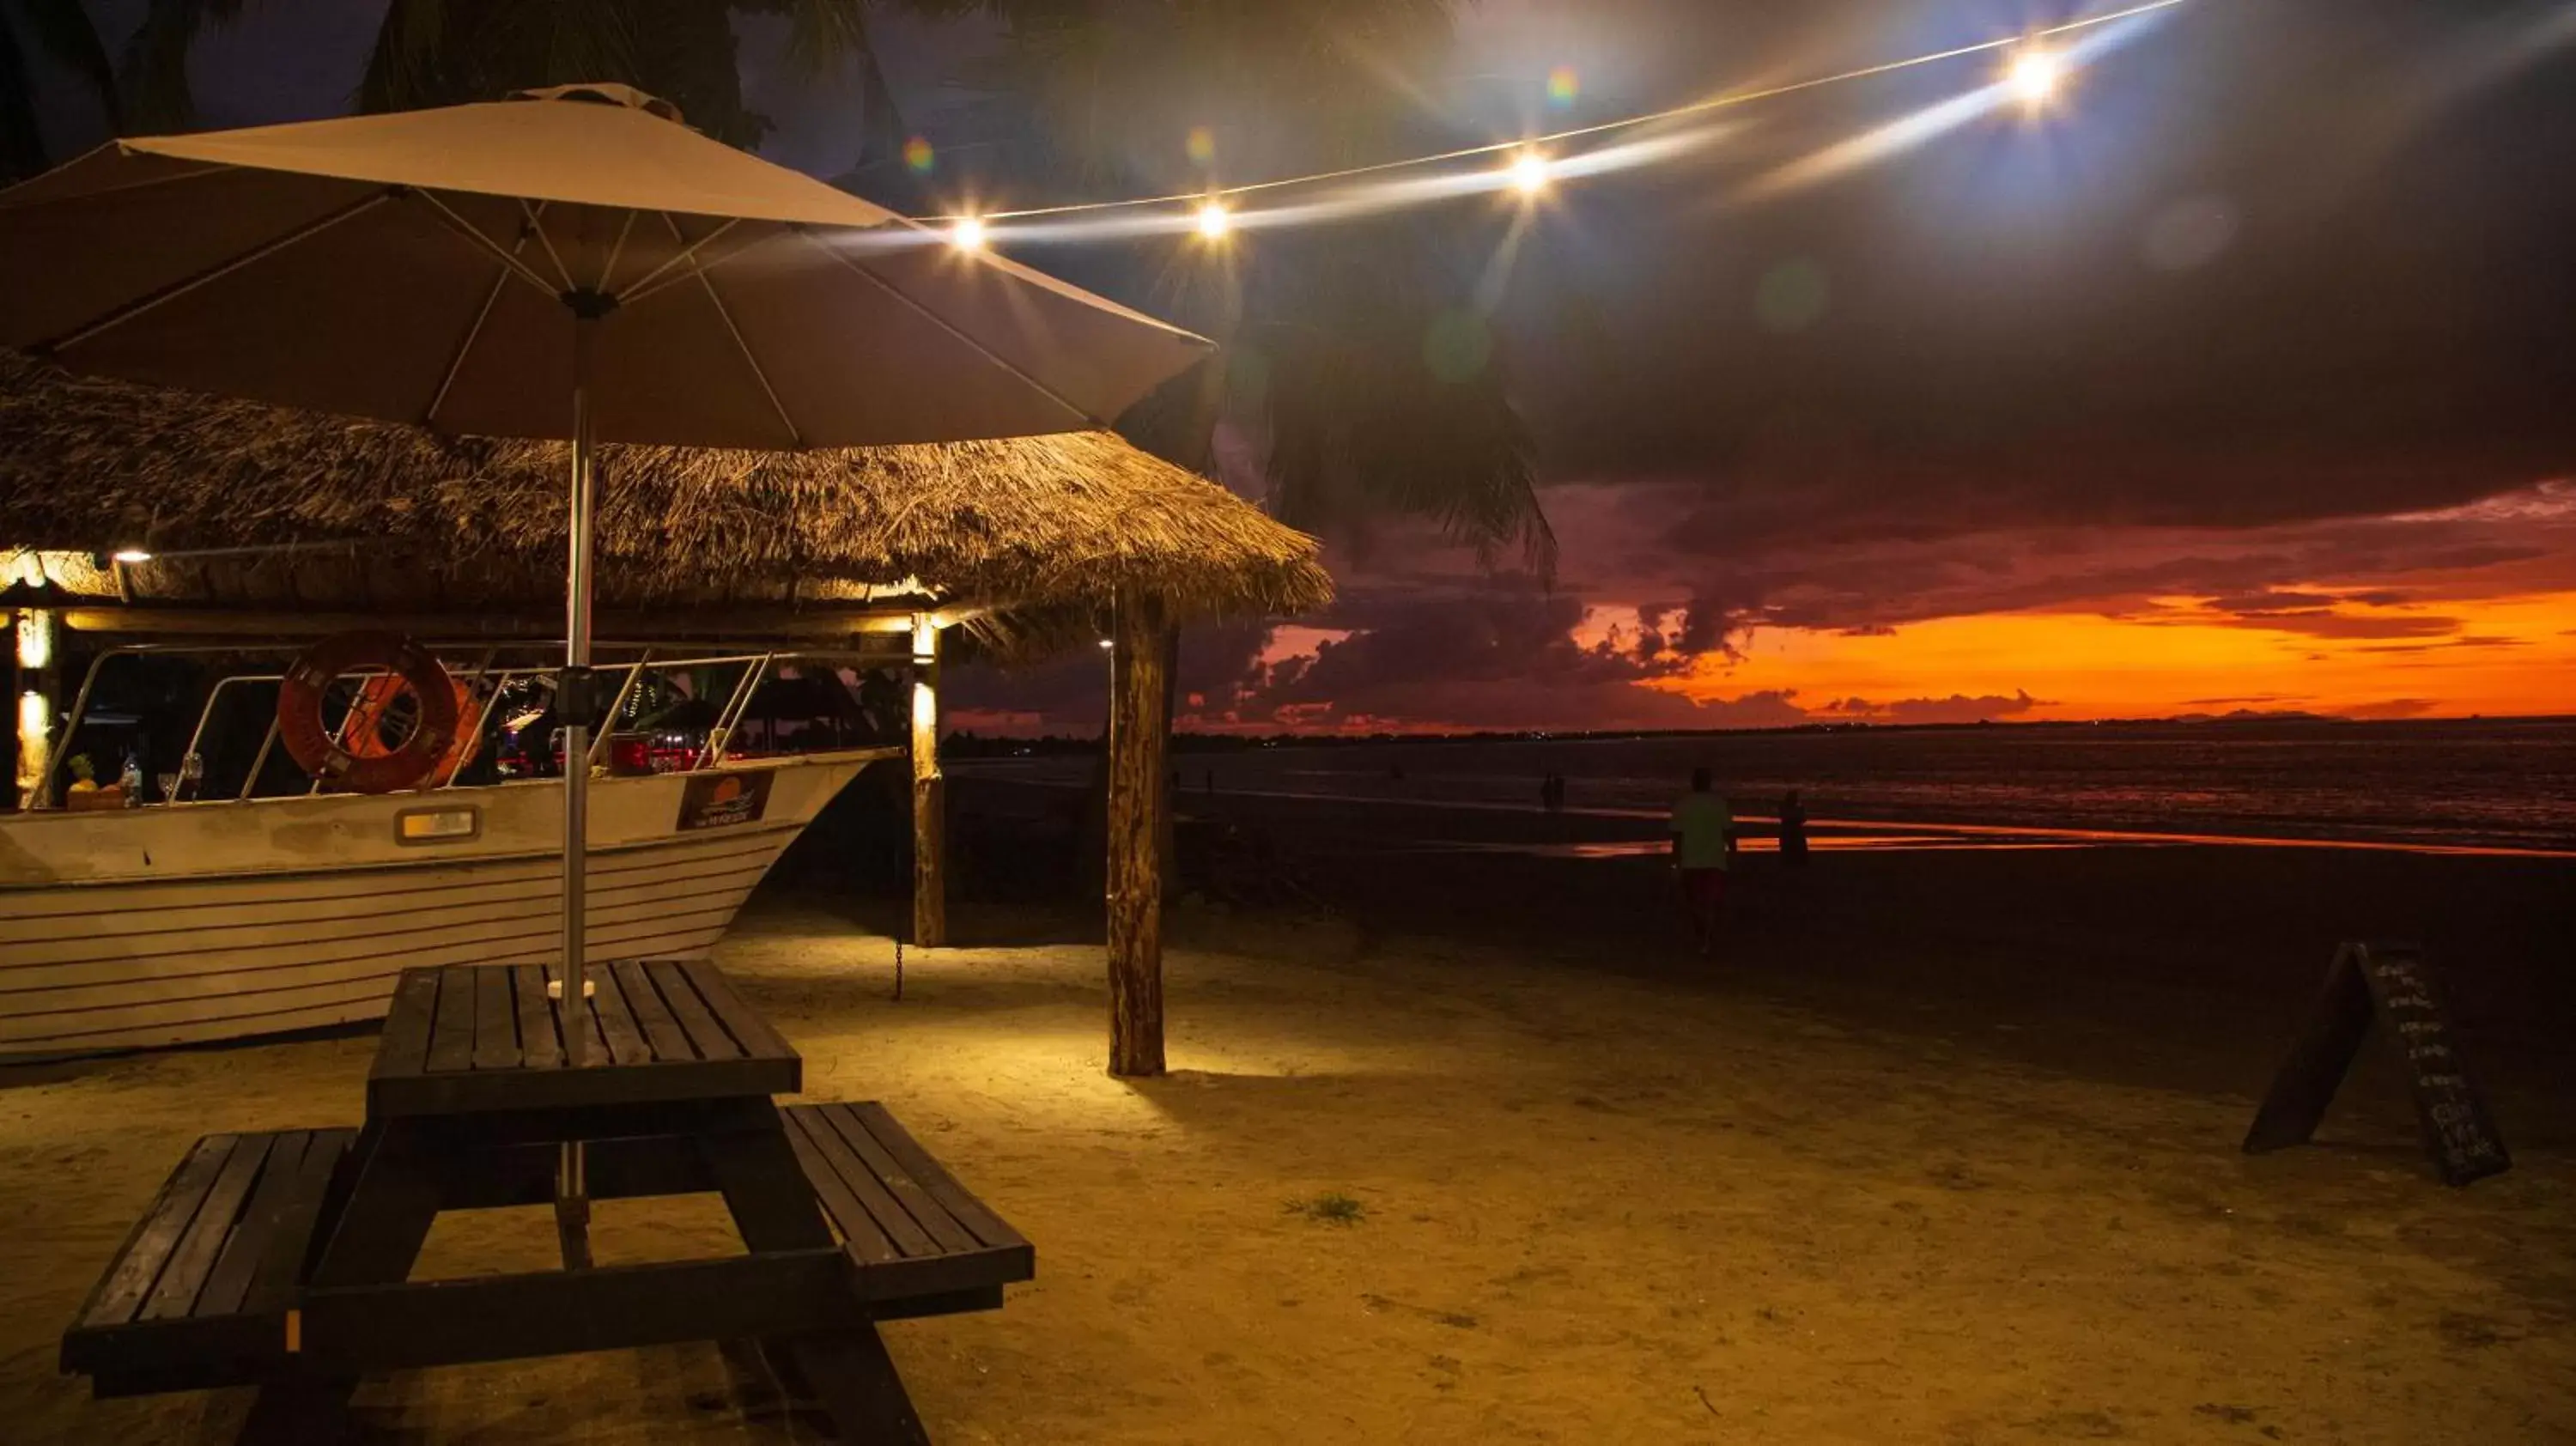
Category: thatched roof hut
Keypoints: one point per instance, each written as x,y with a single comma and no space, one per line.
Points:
253,510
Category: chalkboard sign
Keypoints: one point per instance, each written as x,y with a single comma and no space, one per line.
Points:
2390,983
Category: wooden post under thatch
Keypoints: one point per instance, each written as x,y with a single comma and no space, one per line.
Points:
929,793
31,700
1137,660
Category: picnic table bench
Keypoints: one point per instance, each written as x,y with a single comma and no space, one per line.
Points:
283,1259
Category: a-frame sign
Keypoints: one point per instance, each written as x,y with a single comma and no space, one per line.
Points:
2392,984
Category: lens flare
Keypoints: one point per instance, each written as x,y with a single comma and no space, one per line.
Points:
2035,76
1529,173
967,234
1214,221
1563,86
918,157
1201,145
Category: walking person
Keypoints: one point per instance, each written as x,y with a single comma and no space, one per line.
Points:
1701,830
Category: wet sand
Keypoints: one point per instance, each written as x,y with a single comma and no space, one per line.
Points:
1837,1187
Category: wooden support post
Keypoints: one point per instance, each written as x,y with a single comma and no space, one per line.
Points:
1136,782
929,793
31,703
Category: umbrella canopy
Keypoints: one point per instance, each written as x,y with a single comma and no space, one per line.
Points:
572,263
420,267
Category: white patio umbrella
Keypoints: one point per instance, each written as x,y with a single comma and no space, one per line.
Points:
572,263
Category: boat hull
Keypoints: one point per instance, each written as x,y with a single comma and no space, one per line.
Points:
200,922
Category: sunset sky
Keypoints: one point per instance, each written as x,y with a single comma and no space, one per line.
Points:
2238,379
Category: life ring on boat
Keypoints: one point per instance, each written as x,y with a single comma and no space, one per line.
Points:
362,736
308,741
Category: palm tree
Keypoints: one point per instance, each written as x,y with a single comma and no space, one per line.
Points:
61,31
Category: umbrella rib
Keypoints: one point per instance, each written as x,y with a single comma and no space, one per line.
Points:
644,286
91,195
944,324
548,242
172,292
464,348
795,437
473,233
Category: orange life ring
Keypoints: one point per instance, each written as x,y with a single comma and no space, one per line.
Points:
362,736
308,741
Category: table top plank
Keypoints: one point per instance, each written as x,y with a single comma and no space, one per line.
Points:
451,1029
646,1021
865,1240
280,1271
404,1049
141,1262
681,993
743,1022
175,1295
616,1021
539,1045
496,1019
652,1017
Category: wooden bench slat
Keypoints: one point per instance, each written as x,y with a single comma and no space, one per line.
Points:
742,1021
281,1267
539,1046
139,1264
616,1021
877,1205
652,1017
175,1294
451,1030
865,1241
496,1019
681,993
229,1282
934,1177
404,1050
908,1192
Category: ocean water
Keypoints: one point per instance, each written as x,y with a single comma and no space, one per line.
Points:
2507,784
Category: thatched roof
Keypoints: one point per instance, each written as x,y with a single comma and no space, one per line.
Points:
461,524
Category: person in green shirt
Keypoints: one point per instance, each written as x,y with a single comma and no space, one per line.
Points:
1702,828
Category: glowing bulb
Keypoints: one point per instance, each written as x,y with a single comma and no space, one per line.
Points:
1529,173
132,554
1106,644
1214,220
2034,76
967,234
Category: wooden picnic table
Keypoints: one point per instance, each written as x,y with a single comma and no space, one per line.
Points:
284,1259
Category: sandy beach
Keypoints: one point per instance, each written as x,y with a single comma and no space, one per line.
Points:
1418,1186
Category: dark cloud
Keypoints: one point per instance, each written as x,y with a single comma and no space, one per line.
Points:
1957,708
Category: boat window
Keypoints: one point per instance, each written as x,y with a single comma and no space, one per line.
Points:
437,825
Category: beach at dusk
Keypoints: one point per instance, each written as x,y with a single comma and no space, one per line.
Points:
1428,722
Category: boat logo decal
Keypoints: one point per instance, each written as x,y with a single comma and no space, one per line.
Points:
716,800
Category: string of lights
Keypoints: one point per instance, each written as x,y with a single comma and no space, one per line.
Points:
2034,72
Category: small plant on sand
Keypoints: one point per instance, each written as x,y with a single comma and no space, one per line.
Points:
1329,1208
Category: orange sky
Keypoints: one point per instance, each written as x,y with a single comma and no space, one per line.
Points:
2519,657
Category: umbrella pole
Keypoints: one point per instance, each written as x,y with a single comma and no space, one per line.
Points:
572,693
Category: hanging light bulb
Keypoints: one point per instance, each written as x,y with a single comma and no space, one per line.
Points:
967,234
2034,75
1214,220
1529,172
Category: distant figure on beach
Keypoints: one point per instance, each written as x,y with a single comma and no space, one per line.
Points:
1793,831
1701,829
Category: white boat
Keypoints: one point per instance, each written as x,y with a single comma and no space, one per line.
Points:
191,922
184,923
